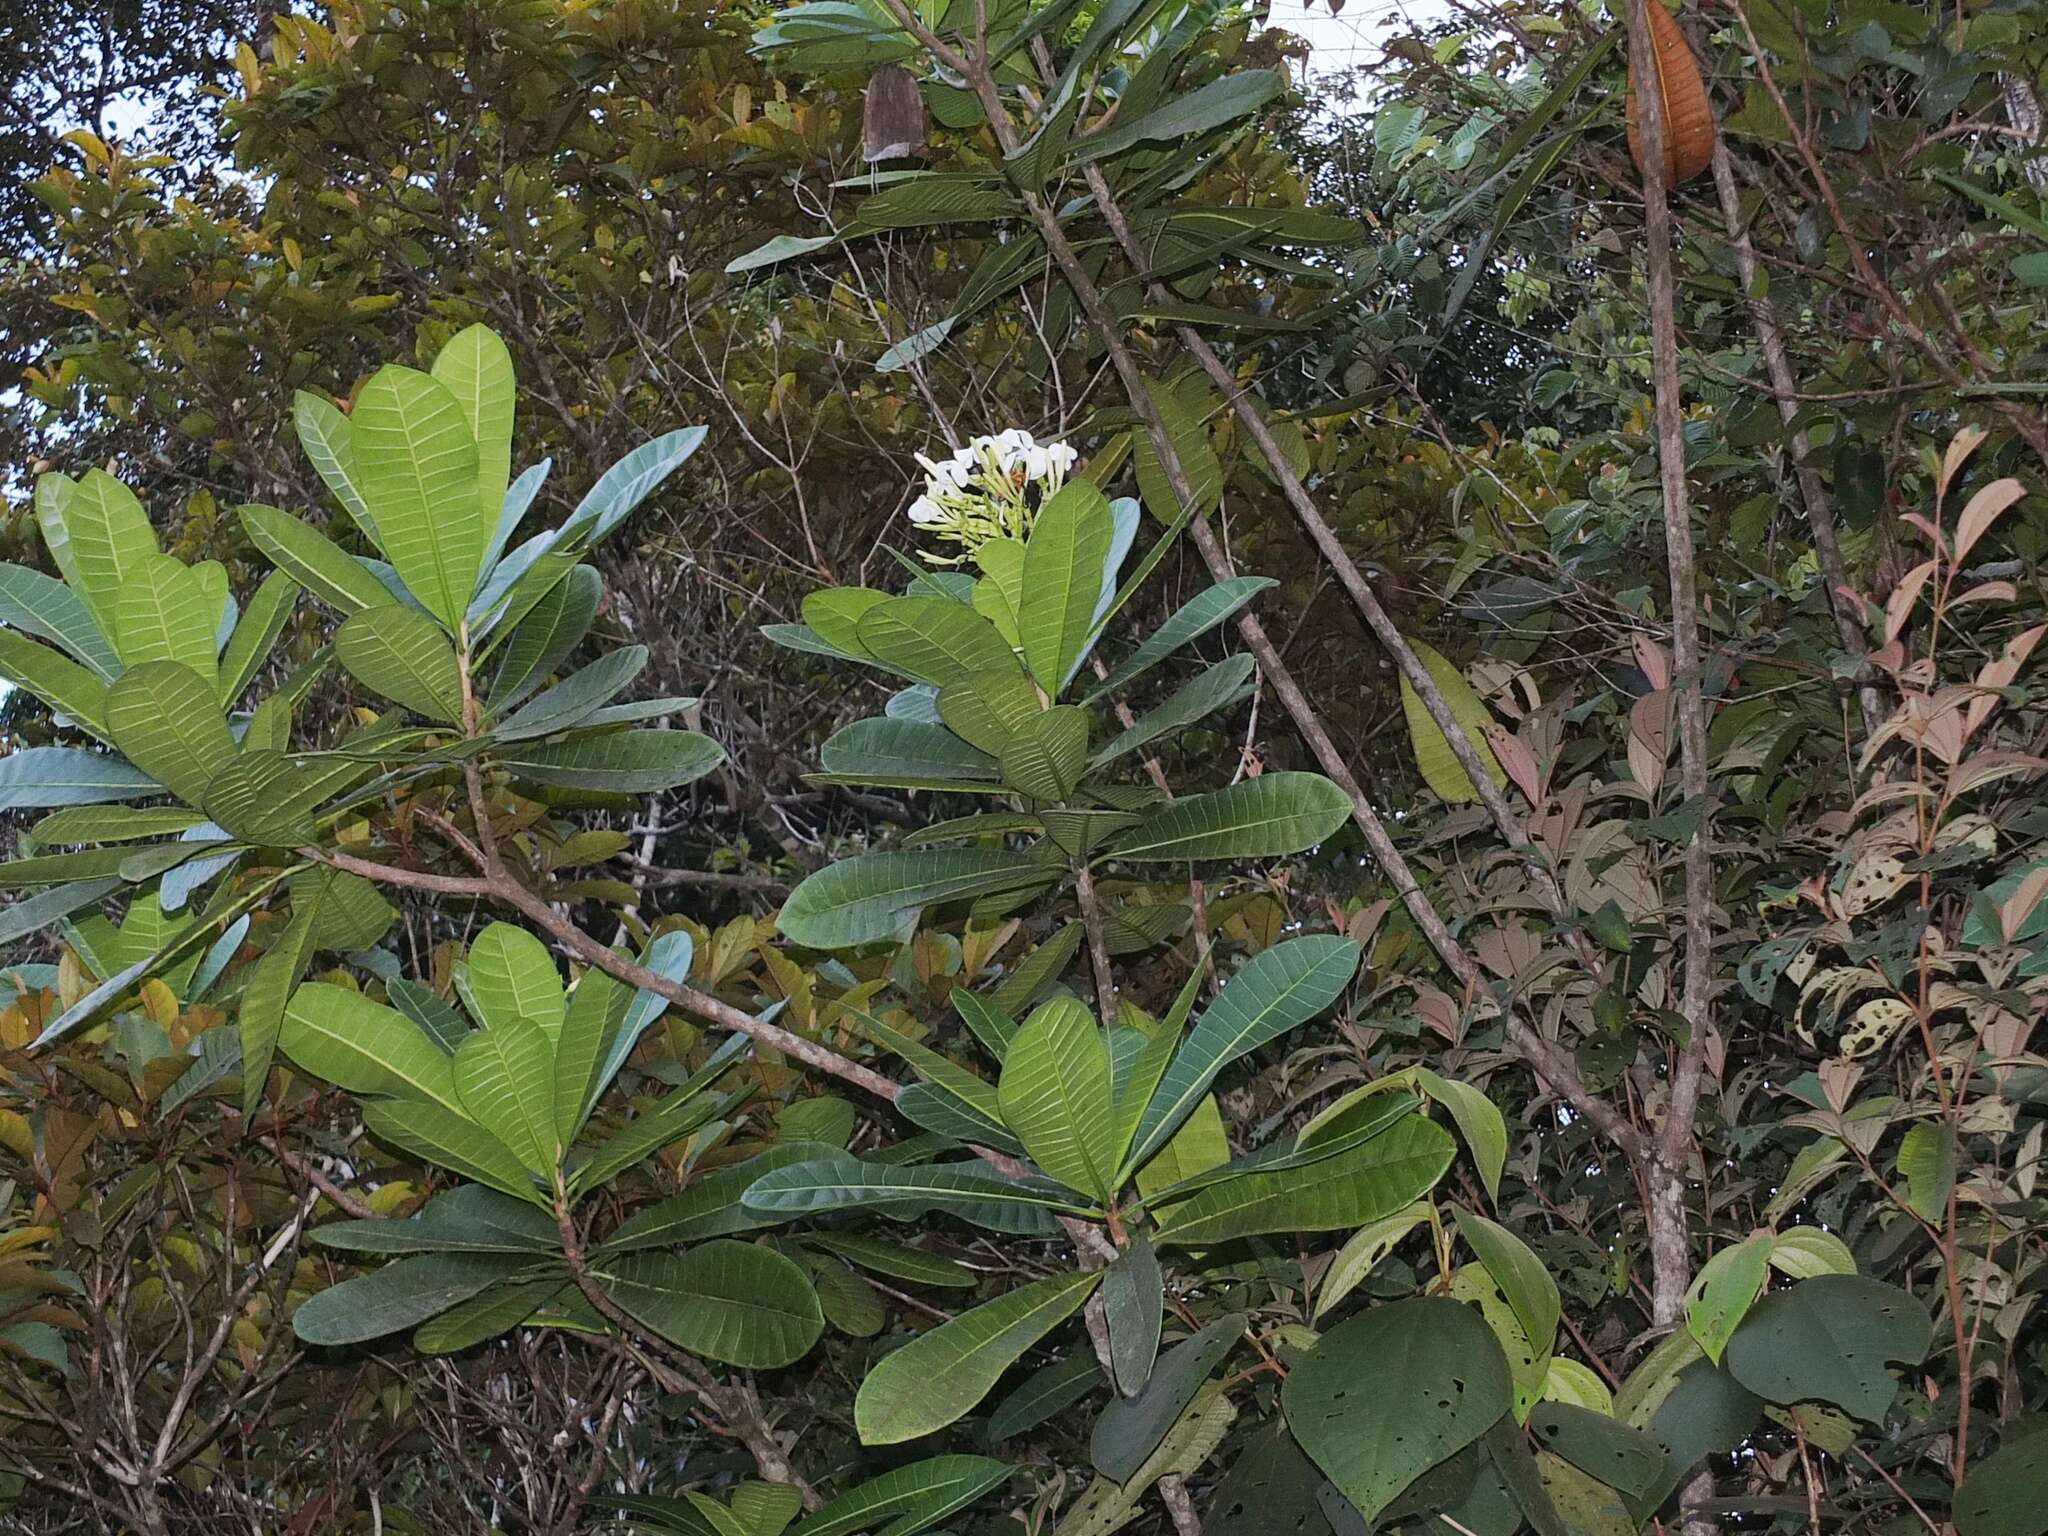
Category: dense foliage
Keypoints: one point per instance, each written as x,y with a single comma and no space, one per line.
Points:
905,769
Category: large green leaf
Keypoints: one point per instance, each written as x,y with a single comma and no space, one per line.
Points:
1260,818
898,1261
877,896
834,613
267,994
1387,1395
256,634
337,580
677,1116
934,640
1362,1253
1829,1340
510,975
903,749
989,708
402,655
329,445
1047,753
42,606
969,1190
416,464
1055,1094
169,611
711,1205
1183,409
1185,116
618,762
267,798
1522,1279
1363,1185
1062,581
729,1301
108,541
505,1079
1193,619
1133,1310
2006,1494
498,1310
621,489
400,1295
1130,1428
64,685
467,1219
339,1035
910,1498
1623,1458
544,635
1215,688
1927,1164
575,699
1278,989
167,721
938,1070
937,1377
1724,1290
1440,770
476,368
453,1141
590,1016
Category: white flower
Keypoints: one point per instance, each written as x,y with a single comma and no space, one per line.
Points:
1061,457
1037,462
926,513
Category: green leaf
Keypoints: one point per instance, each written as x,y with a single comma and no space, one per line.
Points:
1133,1308
1200,1146
499,1310
988,708
340,1035
402,655
677,1116
1522,1279
111,824
877,896
1062,581
266,798
1362,1253
317,565
1927,1162
1197,112
734,1302
765,1509
400,1295
910,1498
38,605
544,635
109,541
620,489
1804,1252
1828,1339
1440,770
1278,989
618,763
35,778
943,1374
329,445
575,699
65,686
1055,1094
1045,1392
1385,1396
1274,814
1000,595
452,1141
266,995
1190,622
1623,1458
1047,754
168,611
710,1206
476,368
778,249
896,1260
2006,1494
167,721
834,615
21,918
256,634
1183,409
1724,1290
416,464
1131,1428
505,1079
883,749
467,1219
1216,688
842,1182
1362,1185
1478,1121
938,1070
510,975
933,640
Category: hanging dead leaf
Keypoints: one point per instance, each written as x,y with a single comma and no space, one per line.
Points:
1688,120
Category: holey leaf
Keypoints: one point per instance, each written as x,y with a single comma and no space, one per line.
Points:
1433,757
936,1378
1385,1396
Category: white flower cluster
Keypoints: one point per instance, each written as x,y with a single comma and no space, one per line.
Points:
990,489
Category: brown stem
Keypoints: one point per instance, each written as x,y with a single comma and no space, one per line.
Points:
1098,944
